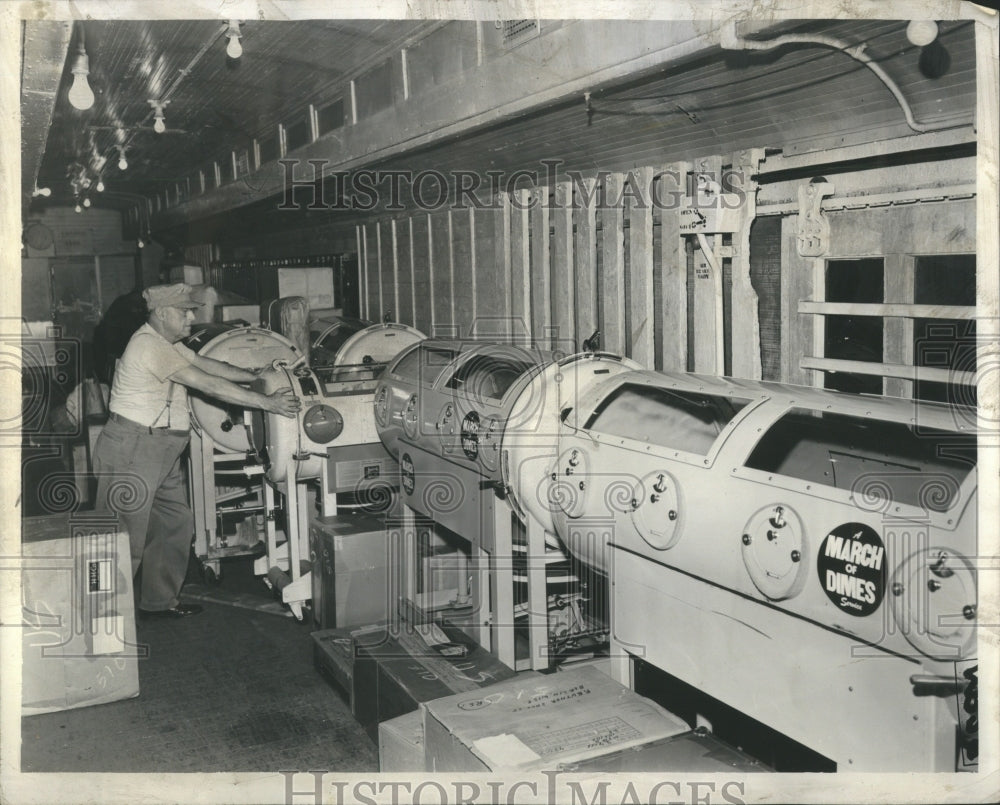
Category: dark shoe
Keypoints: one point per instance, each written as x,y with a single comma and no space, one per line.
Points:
179,611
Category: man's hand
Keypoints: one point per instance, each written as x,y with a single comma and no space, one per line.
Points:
284,402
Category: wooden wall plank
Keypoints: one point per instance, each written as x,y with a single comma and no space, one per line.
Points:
441,290
640,245
383,268
704,314
462,285
397,314
585,249
413,271
746,347
611,283
897,335
796,285
452,321
490,280
362,269
563,290
520,265
423,273
403,251
473,270
502,253
673,275
541,268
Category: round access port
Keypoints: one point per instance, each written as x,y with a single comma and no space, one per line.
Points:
322,423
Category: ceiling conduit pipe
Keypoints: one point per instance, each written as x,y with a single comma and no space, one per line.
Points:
730,40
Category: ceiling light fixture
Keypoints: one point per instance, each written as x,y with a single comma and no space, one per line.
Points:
122,163
100,186
80,94
78,208
921,32
234,49
159,124
86,202
41,191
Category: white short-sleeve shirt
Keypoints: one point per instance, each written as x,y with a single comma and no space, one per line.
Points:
142,381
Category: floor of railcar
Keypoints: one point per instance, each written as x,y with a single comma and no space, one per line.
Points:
231,689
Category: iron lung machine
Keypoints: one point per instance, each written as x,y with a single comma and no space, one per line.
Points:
337,409
446,410
802,556
231,503
332,438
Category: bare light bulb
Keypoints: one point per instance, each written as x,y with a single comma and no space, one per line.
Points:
159,126
100,186
234,49
140,243
123,163
42,191
80,94
78,208
921,32
86,202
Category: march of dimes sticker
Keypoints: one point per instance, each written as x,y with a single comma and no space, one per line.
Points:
852,569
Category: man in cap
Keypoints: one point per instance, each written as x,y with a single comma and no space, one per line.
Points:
137,457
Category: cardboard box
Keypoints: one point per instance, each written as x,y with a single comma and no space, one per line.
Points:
697,751
350,578
335,651
401,743
540,722
394,673
79,645
333,657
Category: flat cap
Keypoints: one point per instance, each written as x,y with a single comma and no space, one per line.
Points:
176,295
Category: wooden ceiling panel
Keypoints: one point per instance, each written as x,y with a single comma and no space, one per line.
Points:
715,103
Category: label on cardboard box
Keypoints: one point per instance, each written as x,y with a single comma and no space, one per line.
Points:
100,574
505,748
108,631
541,721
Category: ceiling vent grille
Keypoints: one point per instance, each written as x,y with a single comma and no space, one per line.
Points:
517,31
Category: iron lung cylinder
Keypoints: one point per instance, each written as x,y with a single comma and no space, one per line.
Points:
852,512
527,443
336,399
452,398
353,342
248,348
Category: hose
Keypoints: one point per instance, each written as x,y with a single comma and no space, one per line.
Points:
730,40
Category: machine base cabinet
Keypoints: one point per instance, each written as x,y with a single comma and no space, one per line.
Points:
78,638
350,579
536,722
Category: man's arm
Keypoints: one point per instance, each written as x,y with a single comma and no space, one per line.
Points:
283,401
222,369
